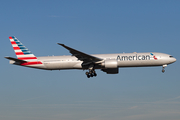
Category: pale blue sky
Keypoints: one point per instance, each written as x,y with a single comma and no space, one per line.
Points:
96,26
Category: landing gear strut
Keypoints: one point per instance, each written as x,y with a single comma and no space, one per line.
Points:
91,72
163,67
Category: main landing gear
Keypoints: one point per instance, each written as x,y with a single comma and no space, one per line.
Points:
91,72
163,67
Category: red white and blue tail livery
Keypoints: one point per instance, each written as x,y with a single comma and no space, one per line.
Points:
109,63
23,53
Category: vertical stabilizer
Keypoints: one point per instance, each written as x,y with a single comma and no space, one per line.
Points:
22,52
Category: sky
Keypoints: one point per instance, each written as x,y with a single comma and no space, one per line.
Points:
93,27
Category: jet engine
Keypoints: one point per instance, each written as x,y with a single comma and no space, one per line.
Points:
110,66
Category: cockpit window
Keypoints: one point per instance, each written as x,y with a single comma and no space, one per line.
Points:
171,56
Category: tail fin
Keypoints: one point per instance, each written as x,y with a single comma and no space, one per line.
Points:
21,51
25,57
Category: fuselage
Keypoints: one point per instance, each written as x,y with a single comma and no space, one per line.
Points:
123,60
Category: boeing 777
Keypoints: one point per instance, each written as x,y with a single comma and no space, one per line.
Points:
109,63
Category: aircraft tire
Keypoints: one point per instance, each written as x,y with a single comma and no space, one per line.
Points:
91,75
95,74
88,76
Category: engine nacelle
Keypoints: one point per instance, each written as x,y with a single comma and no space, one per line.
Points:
111,70
110,64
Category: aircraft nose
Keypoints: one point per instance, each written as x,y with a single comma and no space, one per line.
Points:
173,60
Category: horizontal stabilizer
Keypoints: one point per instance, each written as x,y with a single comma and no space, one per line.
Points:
15,59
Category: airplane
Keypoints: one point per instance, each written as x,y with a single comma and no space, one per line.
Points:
109,63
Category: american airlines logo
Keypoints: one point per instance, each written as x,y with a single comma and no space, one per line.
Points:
154,56
136,57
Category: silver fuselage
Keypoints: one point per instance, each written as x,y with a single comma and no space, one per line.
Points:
123,60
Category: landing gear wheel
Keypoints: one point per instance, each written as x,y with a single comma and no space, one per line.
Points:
91,75
87,73
95,74
91,71
88,76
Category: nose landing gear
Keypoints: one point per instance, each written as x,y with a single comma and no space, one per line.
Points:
163,67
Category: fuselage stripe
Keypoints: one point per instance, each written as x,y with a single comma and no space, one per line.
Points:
31,63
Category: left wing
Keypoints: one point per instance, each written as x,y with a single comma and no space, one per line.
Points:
86,58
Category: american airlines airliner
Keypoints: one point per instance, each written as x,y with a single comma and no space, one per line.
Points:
109,63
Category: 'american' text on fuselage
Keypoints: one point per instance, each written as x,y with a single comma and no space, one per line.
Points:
135,57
